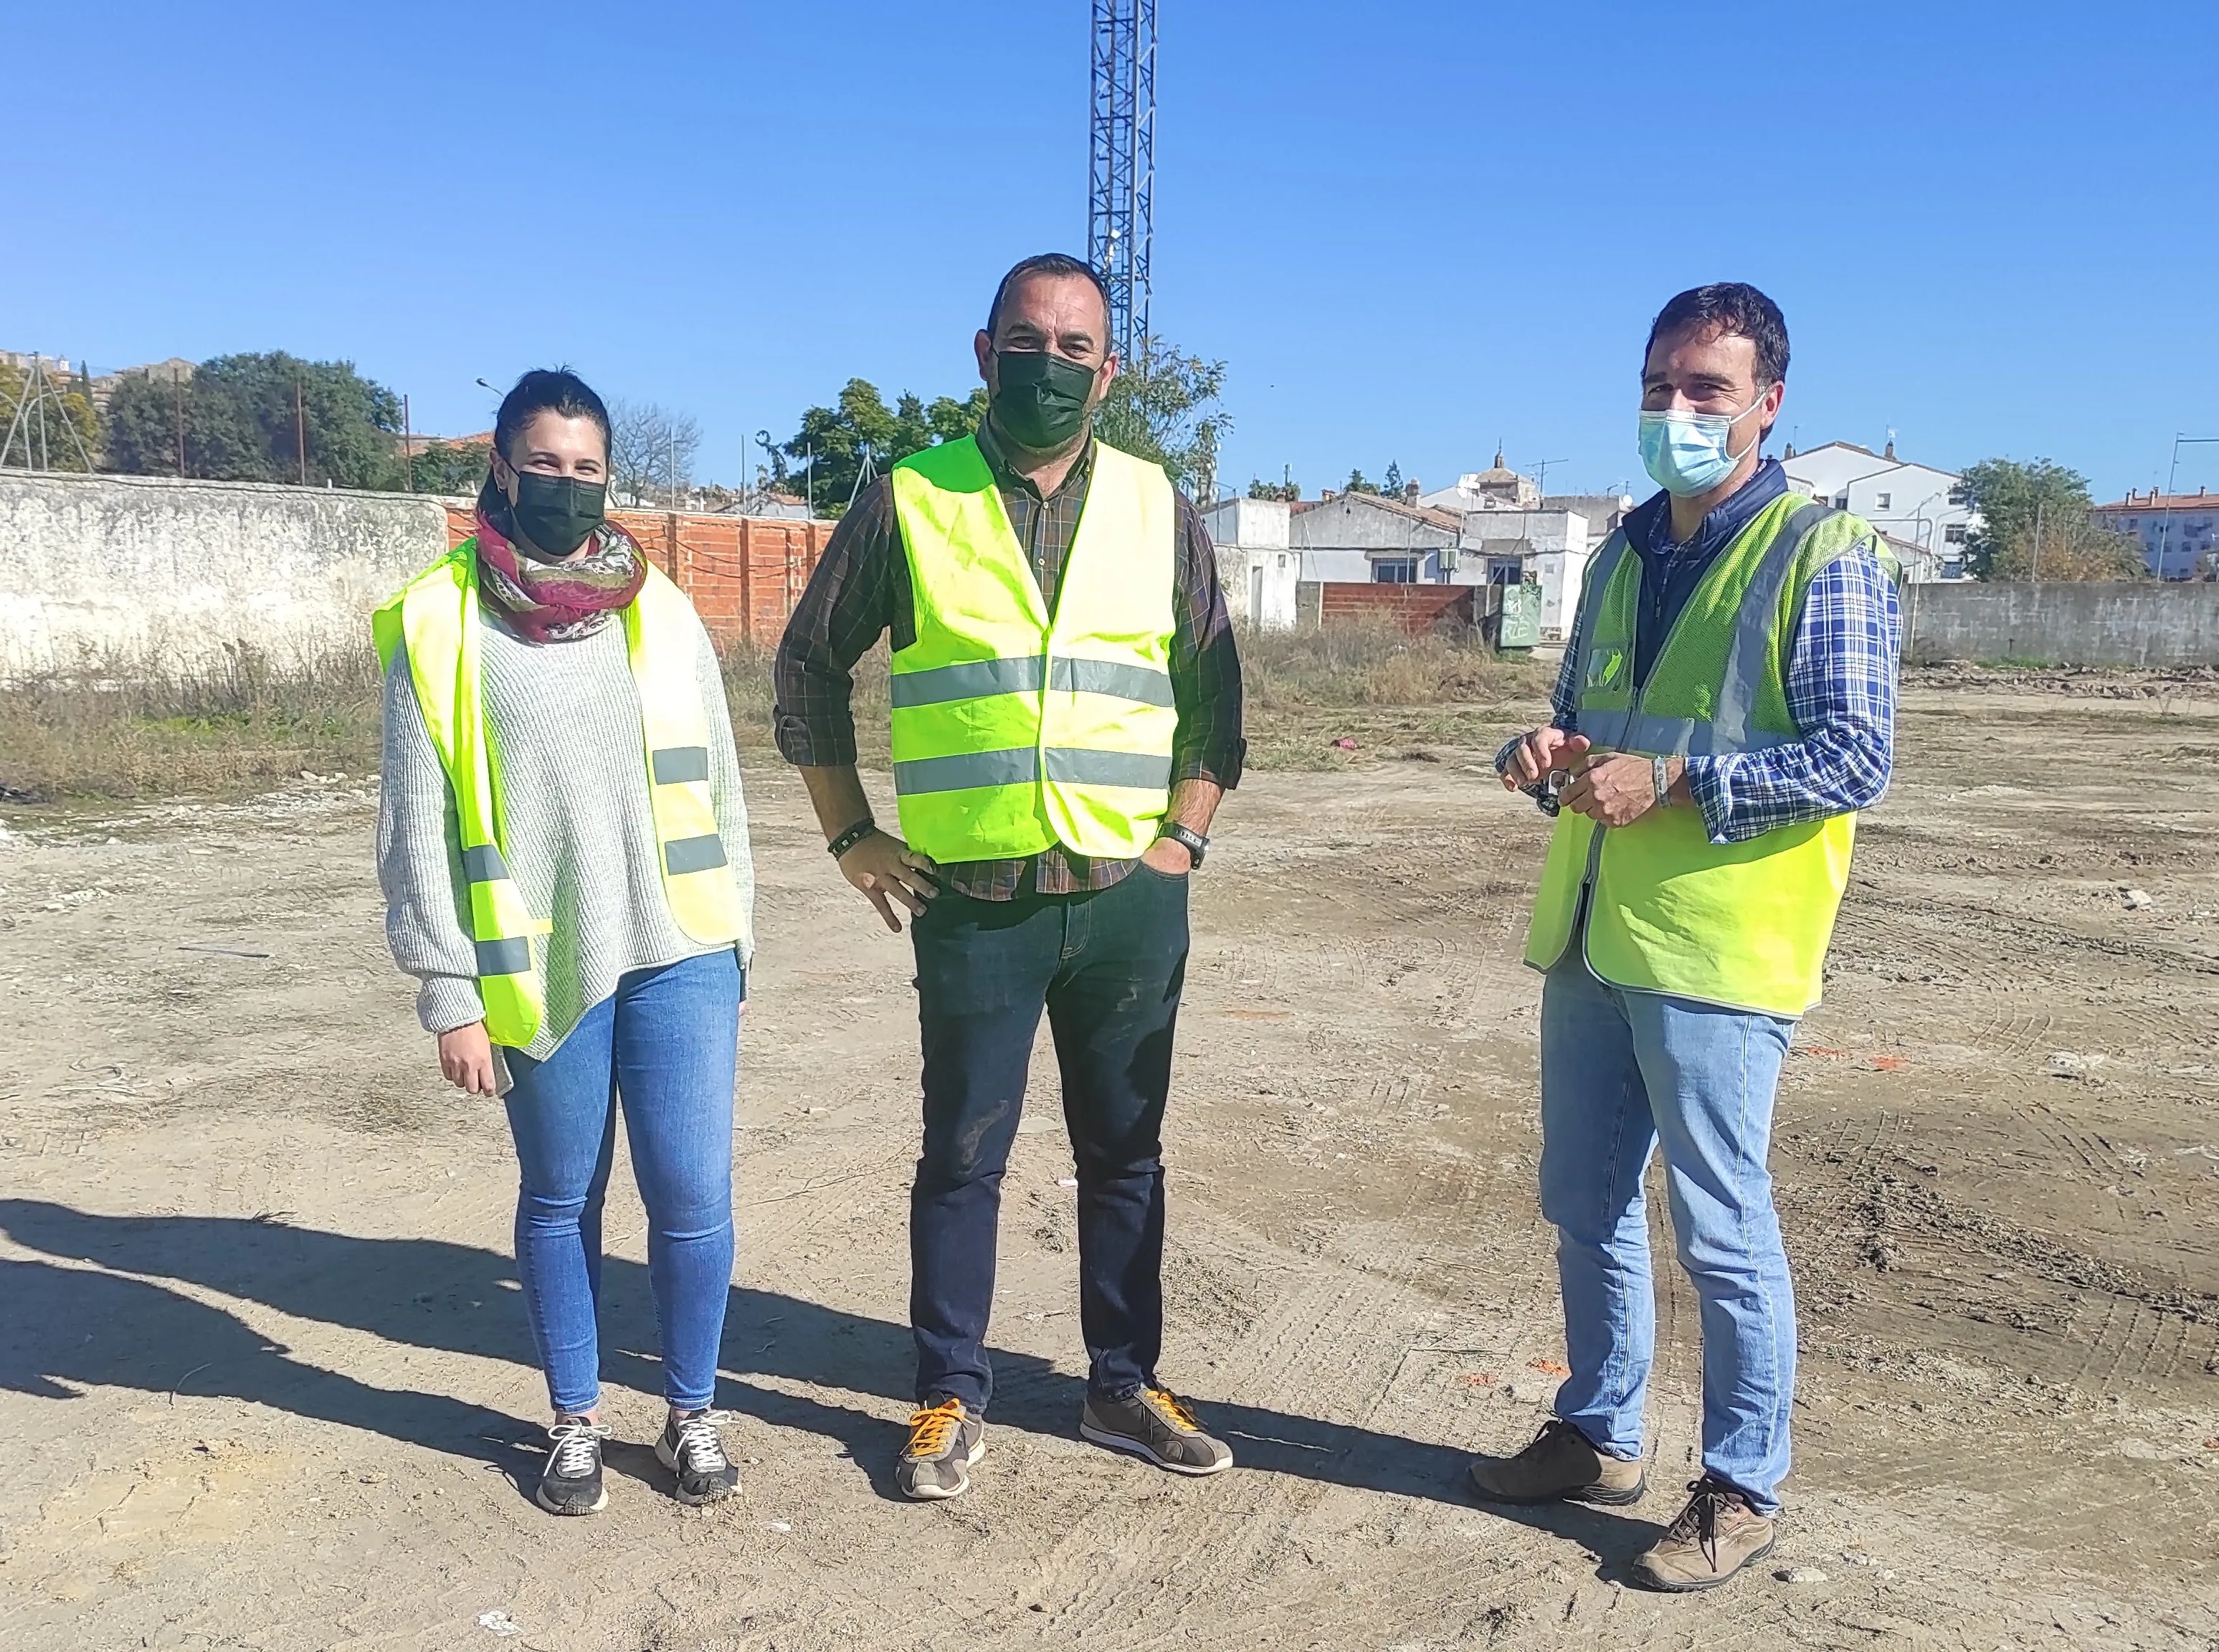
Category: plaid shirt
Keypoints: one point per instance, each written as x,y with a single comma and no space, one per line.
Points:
1841,692
860,590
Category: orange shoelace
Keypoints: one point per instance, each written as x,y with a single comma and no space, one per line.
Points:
1178,1408
929,1430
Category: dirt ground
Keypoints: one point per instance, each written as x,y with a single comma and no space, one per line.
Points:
263,1382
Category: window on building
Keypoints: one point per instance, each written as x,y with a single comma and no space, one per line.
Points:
1952,534
1961,495
1885,501
1394,571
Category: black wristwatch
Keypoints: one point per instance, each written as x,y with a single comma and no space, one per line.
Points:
1197,844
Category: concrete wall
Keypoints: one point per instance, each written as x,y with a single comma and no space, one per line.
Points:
94,568
1351,523
1259,584
1258,522
2064,623
116,565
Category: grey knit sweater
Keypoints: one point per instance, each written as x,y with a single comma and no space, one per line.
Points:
580,830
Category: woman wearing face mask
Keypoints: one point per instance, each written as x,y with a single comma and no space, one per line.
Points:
562,844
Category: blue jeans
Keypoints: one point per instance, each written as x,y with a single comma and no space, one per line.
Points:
666,1042
1108,967
1620,1072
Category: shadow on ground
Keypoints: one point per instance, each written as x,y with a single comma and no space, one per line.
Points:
108,1324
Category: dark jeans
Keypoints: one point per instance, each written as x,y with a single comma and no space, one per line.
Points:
1107,967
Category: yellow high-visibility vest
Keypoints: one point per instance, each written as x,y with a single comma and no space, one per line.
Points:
436,616
1014,729
1743,925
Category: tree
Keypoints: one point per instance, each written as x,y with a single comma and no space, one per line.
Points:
1290,490
651,453
836,444
1357,484
1392,484
2009,496
2075,549
1164,408
245,417
55,430
449,467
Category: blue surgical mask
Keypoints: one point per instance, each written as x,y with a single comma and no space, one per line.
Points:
1687,453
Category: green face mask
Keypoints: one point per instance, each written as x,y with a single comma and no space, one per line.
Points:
1039,399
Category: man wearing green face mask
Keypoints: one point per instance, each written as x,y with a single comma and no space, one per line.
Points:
1065,715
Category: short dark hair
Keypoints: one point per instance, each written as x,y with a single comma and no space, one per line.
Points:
546,389
1729,309
1050,263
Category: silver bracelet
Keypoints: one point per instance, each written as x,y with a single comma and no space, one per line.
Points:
1659,772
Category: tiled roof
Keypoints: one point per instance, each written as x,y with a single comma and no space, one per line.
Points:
2153,501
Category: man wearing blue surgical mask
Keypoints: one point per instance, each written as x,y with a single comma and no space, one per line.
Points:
1726,707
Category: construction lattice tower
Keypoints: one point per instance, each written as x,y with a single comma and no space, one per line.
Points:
1121,214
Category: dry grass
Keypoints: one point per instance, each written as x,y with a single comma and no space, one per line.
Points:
149,726
1389,694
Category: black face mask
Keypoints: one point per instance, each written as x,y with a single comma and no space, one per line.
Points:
554,515
1039,399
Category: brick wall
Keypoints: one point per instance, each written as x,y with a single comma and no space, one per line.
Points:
1419,608
742,573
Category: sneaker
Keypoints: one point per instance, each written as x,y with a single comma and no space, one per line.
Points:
944,1441
1715,1536
1155,1424
689,1448
1561,1465
571,1483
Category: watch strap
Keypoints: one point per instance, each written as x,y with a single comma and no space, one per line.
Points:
1195,843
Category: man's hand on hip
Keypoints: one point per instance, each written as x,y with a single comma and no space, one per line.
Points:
1169,856
888,871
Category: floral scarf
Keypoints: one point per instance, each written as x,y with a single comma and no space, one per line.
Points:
556,602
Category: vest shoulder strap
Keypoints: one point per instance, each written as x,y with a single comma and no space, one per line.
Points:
956,467
1602,569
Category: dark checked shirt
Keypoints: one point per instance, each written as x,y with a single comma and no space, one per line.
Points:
861,590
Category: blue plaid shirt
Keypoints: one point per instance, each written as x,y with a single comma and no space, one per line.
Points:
1841,692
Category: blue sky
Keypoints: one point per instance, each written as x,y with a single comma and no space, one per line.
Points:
1411,230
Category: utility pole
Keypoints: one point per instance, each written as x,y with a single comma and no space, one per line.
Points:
300,431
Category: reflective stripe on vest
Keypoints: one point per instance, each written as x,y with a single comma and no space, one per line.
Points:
1014,729
1743,924
436,618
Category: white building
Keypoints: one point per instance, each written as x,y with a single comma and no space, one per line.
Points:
1914,504
1255,563
2177,531
1499,488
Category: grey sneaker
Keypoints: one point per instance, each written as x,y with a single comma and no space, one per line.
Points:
1155,1424
1714,1536
944,1441
571,1482
689,1448
1561,1465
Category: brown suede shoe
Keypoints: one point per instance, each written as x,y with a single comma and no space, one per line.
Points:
1560,1464
1716,1535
